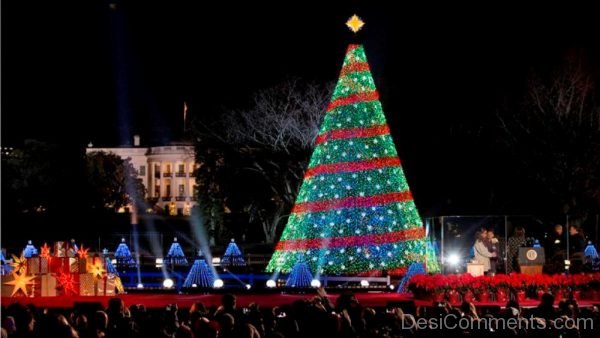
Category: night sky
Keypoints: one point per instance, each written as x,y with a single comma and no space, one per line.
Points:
92,71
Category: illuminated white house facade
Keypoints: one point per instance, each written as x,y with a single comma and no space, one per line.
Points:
166,171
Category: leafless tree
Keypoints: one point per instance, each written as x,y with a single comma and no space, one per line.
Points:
284,118
556,133
276,135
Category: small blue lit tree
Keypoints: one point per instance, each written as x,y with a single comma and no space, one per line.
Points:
30,250
590,251
175,256
200,275
413,269
110,267
5,267
591,255
123,256
300,277
232,256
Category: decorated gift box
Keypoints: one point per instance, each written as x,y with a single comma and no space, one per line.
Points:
63,274
48,285
38,265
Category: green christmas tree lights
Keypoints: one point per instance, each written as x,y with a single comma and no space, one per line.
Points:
354,212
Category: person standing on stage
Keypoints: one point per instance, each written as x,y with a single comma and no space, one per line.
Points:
493,247
555,249
555,244
516,241
576,248
482,253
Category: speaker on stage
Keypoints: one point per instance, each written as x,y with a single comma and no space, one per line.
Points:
531,260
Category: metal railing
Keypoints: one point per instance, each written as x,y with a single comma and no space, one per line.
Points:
453,237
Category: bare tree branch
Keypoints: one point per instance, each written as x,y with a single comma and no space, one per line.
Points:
556,132
284,118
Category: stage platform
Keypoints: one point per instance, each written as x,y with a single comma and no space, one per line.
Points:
265,300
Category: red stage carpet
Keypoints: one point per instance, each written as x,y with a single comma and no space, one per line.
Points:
264,300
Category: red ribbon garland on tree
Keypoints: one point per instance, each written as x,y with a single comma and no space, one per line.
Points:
355,67
338,134
336,242
352,99
352,166
353,202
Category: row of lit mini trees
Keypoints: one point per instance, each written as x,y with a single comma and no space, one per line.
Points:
201,275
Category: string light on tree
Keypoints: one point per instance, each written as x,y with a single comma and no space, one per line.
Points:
175,256
354,145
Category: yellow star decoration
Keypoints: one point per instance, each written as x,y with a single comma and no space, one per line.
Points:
19,264
96,269
355,23
45,251
20,282
83,252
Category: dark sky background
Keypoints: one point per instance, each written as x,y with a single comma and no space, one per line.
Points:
74,73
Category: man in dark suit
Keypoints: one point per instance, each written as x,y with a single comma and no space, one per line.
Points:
576,248
555,248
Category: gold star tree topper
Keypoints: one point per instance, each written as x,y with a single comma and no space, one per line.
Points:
355,23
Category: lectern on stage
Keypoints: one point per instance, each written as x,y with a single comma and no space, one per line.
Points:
531,260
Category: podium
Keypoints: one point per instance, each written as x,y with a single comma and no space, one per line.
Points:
531,260
475,269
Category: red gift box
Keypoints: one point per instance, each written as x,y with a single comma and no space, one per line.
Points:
67,284
59,264
37,265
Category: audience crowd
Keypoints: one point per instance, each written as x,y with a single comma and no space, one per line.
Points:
316,317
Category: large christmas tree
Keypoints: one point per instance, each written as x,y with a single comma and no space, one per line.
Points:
354,212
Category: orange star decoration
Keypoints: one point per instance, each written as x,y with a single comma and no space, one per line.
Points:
19,264
96,269
20,283
82,252
67,282
45,251
355,23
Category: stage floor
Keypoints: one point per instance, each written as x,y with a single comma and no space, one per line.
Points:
266,300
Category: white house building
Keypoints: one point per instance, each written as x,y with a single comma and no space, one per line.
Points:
166,171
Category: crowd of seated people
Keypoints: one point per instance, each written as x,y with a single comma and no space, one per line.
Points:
313,317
